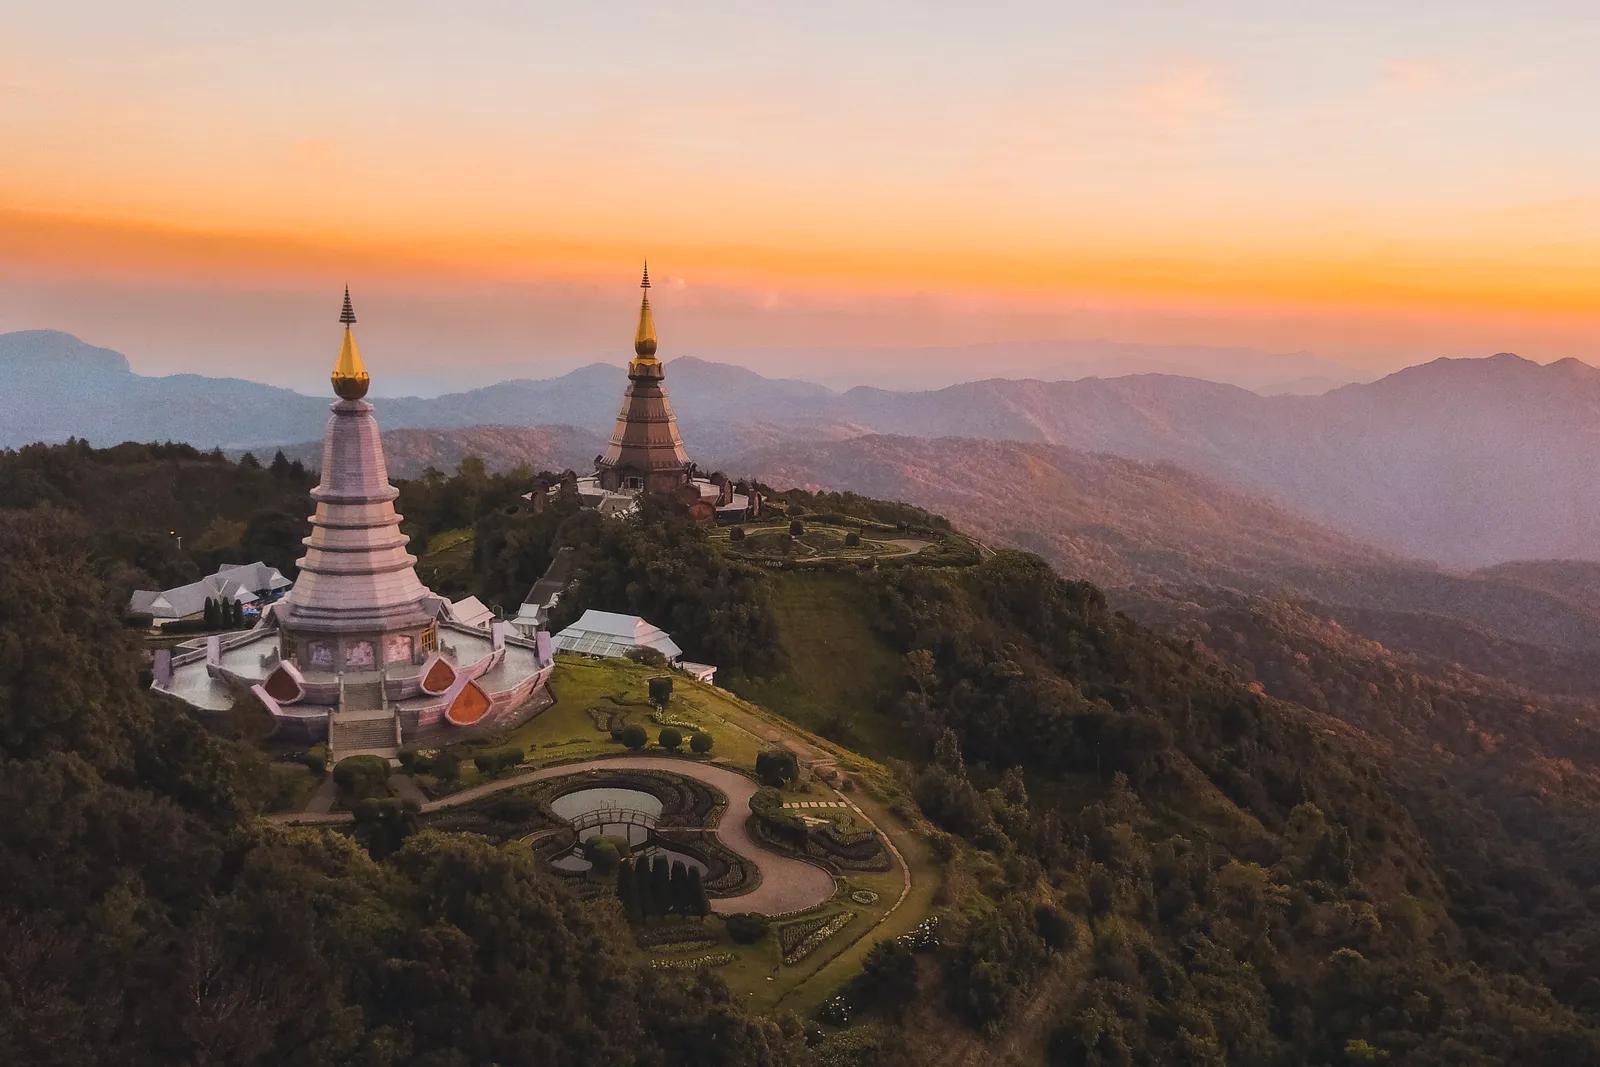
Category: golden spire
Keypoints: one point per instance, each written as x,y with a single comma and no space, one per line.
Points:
644,338
350,378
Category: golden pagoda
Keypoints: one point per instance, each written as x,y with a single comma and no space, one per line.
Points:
349,377
645,454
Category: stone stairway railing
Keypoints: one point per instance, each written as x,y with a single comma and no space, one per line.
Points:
363,723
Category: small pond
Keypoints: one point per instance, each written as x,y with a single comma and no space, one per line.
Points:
571,805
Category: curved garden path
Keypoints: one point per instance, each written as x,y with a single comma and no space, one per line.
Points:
787,884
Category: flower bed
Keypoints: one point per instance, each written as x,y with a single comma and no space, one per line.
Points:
672,718
864,896
673,935
800,939
865,854
923,936
693,963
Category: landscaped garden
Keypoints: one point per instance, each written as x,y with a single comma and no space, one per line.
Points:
602,708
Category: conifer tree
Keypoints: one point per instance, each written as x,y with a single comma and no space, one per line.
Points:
213,617
661,885
628,892
680,887
642,886
699,905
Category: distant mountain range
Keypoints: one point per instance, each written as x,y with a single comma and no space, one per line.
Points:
410,452
1464,462
1167,533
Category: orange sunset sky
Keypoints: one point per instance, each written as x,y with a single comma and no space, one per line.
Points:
192,186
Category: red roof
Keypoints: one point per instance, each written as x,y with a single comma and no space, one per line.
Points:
470,705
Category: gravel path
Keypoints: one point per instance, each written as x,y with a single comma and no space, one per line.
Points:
787,884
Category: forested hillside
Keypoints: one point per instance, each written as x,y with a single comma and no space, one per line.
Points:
148,917
1160,860
1151,857
1260,882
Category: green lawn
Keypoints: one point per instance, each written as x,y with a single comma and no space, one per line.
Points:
839,668
840,962
566,731
757,975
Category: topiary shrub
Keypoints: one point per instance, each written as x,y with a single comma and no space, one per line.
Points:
446,766
661,690
602,856
360,777
496,760
797,528
777,767
852,539
671,738
701,742
736,534
512,807
746,929
633,736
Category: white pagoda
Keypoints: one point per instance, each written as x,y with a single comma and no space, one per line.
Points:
360,652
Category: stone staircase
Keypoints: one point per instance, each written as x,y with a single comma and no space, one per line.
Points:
363,724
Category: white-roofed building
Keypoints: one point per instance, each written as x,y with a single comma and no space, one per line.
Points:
605,633
471,611
242,583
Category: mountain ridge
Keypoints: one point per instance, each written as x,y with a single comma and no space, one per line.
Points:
1466,462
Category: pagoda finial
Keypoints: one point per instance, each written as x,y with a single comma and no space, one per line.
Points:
349,377
644,338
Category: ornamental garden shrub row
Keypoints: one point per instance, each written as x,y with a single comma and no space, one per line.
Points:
361,777
693,963
726,871
676,934
746,929
674,718
814,938
497,760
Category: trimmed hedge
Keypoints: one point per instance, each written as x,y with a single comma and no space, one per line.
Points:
747,929
360,777
496,760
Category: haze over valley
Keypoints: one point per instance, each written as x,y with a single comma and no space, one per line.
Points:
1464,462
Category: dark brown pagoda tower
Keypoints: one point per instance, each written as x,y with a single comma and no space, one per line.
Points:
646,452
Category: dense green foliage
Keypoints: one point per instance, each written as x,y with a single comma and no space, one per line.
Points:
1357,861
1257,887
148,918
833,507
162,515
777,767
666,570
1504,783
